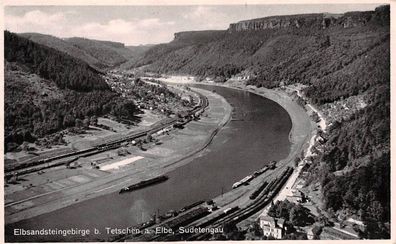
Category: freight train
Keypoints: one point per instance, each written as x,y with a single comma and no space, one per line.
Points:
248,178
263,199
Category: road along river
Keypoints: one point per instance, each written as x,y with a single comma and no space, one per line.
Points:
257,133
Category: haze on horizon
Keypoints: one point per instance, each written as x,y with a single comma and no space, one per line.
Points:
137,25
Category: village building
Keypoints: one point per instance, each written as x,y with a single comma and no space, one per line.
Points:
272,226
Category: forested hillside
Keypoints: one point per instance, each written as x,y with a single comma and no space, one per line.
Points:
98,54
109,54
47,91
136,53
67,72
63,46
273,55
336,57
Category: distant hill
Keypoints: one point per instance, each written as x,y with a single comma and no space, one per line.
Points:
64,46
136,53
187,53
107,53
98,54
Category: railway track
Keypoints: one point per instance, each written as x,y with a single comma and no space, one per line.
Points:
234,215
262,200
49,162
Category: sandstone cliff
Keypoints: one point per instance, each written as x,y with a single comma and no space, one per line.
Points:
318,21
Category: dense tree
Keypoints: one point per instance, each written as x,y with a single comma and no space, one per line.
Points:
295,214
232,232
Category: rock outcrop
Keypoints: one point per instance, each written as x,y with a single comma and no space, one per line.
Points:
277,22
318,21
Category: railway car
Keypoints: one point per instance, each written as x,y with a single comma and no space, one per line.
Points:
188,217
231,210
191,206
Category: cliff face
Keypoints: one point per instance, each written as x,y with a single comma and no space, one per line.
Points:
277,22
318,21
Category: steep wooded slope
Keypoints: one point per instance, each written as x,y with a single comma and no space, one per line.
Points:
47,90
107,53
98,54
320,45
63,46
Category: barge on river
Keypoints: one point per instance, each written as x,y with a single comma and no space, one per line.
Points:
144,183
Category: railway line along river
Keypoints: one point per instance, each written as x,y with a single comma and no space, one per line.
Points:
258,132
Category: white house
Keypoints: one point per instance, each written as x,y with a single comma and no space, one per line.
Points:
272,226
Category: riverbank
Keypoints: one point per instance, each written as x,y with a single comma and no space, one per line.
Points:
301,137
60,187
300,128
302,131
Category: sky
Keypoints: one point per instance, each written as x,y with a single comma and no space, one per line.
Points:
137,25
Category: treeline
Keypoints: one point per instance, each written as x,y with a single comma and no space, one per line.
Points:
67,72
294,214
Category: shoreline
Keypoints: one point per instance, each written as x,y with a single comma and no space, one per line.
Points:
282,99
302,132
277,96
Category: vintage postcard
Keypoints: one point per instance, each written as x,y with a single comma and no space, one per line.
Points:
196,121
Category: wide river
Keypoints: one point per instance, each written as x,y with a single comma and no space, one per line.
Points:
257,134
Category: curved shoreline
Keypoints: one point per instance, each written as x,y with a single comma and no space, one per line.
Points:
301,133
208,141
277,96
281,98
